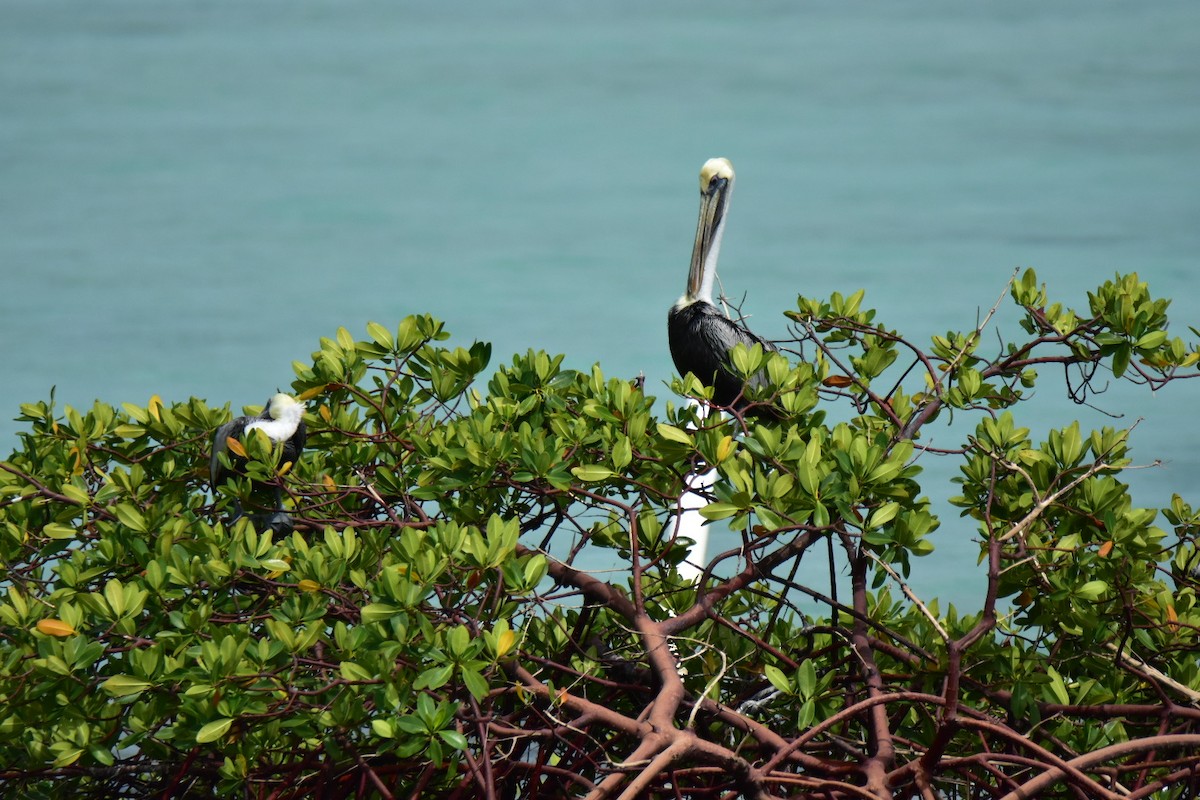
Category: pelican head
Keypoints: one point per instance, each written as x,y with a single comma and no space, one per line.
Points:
284,405
281,417
716,185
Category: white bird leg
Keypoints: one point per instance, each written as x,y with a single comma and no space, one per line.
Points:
688,522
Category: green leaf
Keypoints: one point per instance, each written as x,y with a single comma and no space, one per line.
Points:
351,671
137,412
715,511
1120,360
777,678
476,684
376,612
114,594
884,514
622,453
56,530
76,495
1152,340
454,739
130,517
434,677
1057,686
381,335
806,678
1091,590
457,639
671,433
410,724
68,756
592,473
125,685
535,569
807,472
214,730
921,547
101,754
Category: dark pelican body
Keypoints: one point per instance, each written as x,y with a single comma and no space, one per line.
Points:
700,335
283,421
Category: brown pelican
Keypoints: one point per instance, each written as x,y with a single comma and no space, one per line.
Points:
283,421
700,335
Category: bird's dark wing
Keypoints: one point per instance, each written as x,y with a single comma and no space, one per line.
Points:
295,445
701,338
730,334
234,428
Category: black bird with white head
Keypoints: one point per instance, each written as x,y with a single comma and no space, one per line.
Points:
282,420
700,335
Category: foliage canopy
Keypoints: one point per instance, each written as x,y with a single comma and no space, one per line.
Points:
431,628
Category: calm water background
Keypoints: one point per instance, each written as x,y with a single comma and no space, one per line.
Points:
191,193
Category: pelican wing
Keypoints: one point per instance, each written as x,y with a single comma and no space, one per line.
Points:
234,428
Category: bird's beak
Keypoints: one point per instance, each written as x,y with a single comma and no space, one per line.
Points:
713,200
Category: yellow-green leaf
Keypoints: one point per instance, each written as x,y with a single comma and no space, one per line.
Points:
777,678
76,495
1152,340
214,730
622,452
1057,686
130,517
125,685
354,672
674,434
56,530
719,510
374,612
68,757
884,514
381,335
592,473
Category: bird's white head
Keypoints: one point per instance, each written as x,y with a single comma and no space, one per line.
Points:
715,169
716,185
283,417
284,405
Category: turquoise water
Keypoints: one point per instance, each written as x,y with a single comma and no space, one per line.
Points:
191,193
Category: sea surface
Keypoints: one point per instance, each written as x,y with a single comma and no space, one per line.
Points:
193,192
